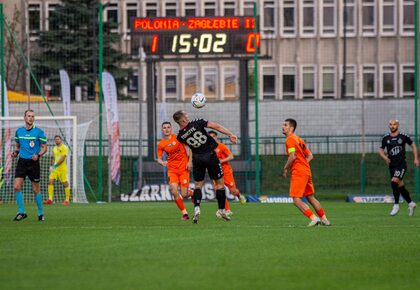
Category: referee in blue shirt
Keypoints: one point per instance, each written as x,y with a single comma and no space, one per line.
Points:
31,144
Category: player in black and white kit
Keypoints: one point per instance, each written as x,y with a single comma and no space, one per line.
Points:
194,134
394,142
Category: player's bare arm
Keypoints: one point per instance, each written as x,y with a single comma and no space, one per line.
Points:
42,152
309,157
228,158
290,160
384,156
161,162
216,126
416,159
189,164
16,152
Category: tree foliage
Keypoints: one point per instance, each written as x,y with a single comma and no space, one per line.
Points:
71,43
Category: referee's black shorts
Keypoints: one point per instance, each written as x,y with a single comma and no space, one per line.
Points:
29,168
208,161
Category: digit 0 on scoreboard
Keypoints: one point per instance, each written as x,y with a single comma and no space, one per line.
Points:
197,35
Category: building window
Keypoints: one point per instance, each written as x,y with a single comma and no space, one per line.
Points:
269,18
34,19
308,82
248,8
269,82
388,81
349,19
368,81
289,82
230,80
210,82
407,80
111,12
388,17
229,8
328,82
368,17
131,13
288,25
171,84
210,8
349,81
151,9
171,9
52,24
190,9
407,17
308,21
328,18
133,83
190,82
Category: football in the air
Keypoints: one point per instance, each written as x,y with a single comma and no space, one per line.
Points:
198,100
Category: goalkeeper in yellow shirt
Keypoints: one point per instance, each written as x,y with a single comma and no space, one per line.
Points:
59,170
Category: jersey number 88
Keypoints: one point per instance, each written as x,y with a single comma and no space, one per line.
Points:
197,139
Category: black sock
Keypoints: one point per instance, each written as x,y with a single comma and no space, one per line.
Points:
404,192
221,197
197,196
396,192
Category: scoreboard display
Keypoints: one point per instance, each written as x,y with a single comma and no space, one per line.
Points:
196,35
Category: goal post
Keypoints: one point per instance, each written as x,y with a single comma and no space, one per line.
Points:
73,136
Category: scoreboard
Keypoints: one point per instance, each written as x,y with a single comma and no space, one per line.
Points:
197,35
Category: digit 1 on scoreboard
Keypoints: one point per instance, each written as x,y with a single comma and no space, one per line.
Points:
154,44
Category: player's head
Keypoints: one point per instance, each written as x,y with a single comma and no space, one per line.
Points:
289,126
181,118
29,117
213,134
166,128
393,125
57,140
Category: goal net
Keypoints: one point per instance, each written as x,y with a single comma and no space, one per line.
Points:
73,135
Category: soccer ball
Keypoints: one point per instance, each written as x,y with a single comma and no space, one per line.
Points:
198,100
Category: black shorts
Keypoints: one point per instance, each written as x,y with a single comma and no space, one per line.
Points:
208,161
398,171
28,167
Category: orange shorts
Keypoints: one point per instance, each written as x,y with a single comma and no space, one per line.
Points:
182,178
301,185
229,180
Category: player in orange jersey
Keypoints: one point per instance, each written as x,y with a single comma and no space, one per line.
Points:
224,155
179,164
298,158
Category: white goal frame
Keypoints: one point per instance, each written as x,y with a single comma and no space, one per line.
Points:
74,152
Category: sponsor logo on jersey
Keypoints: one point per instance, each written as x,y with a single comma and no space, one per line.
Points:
395,151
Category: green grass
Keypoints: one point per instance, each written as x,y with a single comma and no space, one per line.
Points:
147,246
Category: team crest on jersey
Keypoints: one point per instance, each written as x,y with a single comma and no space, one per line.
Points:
217,150
32,144
400,141
174,143
388,141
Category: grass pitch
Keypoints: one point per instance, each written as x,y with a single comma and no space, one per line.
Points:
147,246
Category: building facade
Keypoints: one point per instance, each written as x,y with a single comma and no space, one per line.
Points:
313,43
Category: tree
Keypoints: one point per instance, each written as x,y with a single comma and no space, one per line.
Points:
14,64
71,43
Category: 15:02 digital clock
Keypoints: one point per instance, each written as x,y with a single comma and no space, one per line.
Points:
198,35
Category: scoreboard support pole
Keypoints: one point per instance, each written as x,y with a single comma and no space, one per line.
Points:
151,108
244,108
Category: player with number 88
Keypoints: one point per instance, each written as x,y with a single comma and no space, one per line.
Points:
194,134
